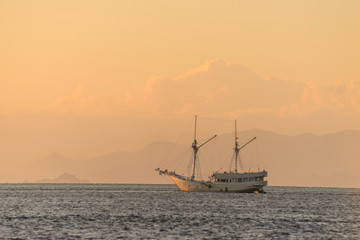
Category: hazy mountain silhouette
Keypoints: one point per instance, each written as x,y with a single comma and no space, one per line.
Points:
303,160
64,178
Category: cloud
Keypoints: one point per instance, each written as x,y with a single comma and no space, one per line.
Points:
218,88
339,97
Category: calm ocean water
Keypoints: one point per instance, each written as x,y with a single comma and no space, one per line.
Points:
33,211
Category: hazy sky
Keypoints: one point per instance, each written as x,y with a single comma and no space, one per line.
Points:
110,71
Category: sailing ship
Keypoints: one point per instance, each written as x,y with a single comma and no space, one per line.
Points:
232,181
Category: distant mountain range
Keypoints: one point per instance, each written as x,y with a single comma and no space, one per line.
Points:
331,160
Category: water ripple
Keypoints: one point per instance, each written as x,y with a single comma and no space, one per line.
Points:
89,211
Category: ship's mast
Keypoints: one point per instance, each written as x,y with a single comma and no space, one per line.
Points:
236,149
195,148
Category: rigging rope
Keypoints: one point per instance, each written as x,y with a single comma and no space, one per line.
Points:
164,158
231,161
213,119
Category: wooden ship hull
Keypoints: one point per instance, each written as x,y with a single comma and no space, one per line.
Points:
223,182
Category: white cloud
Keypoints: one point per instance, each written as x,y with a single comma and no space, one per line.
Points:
339,97
218,88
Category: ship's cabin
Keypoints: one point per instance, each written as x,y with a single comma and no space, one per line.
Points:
245,179
239,177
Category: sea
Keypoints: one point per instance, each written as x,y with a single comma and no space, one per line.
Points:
120,211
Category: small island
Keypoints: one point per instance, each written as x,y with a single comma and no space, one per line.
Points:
64,178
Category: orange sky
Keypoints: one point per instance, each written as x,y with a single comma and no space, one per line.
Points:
70,70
